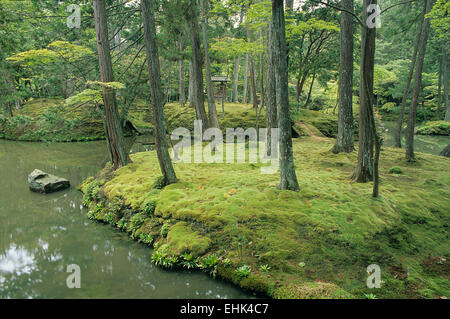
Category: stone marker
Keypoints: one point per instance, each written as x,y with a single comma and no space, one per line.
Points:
42,182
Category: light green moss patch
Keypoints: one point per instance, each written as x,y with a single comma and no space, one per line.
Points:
181,239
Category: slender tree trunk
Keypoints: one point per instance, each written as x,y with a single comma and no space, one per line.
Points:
244,98
191,85
409,154
309,91
288,178
445,74
253,85
112,121
271,101
212,112
235,97
439,97
363,172
162,151
182,92
261,71
345,139
401,114
198,95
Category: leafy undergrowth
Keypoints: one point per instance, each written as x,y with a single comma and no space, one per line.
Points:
233,222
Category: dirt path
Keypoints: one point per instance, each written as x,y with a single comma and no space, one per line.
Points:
311,133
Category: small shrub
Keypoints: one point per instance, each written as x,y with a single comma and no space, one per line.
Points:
161,258
264,268
244,271
188,261
396,170
208,262
146,238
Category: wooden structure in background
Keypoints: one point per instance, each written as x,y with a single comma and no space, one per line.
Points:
220,88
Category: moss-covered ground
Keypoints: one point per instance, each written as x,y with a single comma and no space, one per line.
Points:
232,222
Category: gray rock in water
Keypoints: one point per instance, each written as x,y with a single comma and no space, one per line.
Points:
42,182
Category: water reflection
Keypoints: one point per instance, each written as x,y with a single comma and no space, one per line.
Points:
431,144
16,261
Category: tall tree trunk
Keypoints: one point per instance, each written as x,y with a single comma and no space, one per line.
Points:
439,97
182,92
111,115
253,85
244,98
191,85
271,101
261,71
162,151
401,114
445,74
212,112
363,172
198,96
288,178
345,139
235,97
409,154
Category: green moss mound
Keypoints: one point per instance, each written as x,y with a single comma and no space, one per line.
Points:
315,243
48,120
182,239
435,128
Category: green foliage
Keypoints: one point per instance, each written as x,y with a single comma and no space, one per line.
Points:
389,108
395,170
159,182
146,238
161,258
149,207
440,17
135,223
264,268
188,261
244,271
435,128
165,229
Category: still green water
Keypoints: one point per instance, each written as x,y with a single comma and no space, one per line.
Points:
432,144
40,235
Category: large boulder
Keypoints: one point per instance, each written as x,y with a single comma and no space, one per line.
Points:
42,182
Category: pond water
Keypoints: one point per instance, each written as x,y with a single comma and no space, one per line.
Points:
432,144
40,235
